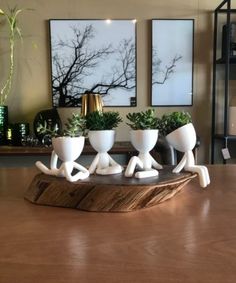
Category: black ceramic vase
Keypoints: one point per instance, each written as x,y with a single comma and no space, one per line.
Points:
3,124
52,120
18,132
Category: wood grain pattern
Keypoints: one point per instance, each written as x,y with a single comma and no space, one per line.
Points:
114,193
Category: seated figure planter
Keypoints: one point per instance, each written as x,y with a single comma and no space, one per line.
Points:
67,148
102,137
182,137
143,137
143,141
102,142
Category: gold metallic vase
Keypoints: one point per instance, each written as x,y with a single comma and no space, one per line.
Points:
91,102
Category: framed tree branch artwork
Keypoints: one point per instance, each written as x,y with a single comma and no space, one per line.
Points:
172,62
93,56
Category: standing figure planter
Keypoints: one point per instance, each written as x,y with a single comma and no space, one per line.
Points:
102,137
67,148
181,134
143,136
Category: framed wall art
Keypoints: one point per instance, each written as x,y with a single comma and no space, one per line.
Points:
172,62
93,56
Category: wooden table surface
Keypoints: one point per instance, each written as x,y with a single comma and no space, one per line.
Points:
190,238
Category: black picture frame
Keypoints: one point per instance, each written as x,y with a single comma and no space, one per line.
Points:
172,62
93,56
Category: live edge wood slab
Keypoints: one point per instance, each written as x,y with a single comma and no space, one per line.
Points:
114,193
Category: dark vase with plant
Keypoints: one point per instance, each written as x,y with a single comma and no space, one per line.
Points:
11,19
50,119
101,136
143,136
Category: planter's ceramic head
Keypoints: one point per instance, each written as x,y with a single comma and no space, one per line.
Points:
183,138
102,141
144,140
67,148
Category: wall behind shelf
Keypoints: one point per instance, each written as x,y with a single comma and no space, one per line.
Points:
31,88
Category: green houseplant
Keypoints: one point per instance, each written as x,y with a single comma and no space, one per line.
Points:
101,136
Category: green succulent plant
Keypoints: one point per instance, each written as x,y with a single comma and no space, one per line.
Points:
74,127
170,122
97,120
143,120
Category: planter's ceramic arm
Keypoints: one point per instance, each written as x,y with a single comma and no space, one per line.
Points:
53,165
54,159
134,161
82,174
146,174
94,164
44,168
202,172
180,165
115,169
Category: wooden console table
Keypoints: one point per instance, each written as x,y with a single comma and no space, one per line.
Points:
189,238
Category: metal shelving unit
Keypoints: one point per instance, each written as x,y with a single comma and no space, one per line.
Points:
225,62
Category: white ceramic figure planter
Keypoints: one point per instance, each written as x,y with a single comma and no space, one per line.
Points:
68,149
143,141
184,139
102,141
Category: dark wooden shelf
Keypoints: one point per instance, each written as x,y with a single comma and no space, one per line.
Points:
122,147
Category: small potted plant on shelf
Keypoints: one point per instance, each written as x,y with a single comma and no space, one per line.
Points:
101,134
67,145
11,18
179,131
143,135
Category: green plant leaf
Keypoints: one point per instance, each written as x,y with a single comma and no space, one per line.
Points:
170,122
97,120
143,120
